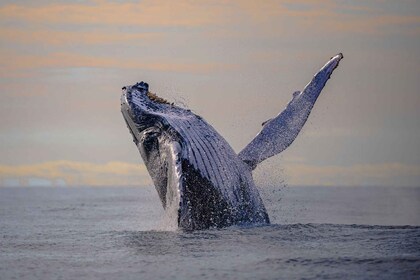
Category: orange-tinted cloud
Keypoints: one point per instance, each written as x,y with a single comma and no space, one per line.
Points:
79,173
318,15
60,38
359,174
122,174
147,13
14,61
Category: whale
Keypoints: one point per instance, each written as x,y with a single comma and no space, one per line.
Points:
198,176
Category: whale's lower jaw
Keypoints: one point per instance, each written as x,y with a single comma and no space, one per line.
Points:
203,206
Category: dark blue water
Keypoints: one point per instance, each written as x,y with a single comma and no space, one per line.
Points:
121,233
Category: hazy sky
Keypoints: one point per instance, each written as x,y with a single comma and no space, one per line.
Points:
236,63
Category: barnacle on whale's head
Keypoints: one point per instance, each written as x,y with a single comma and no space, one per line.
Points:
152,96
143,89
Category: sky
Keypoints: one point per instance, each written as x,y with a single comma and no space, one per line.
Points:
235,63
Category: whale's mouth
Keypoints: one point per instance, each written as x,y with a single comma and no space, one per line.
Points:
153,97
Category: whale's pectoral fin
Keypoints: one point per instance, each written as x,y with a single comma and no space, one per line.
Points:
279,132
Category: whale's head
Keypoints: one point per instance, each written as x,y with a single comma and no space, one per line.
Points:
147,116
142,109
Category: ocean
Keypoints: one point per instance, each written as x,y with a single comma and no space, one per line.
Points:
122,233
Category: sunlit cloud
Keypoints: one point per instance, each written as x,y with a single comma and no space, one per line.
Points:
61,38
13,61
123,174
383,174
327,16
145,13
76,174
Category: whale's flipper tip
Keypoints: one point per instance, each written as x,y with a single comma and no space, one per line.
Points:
276,134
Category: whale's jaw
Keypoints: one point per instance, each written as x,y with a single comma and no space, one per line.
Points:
196,173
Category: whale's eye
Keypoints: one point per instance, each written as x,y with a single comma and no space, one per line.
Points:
157,99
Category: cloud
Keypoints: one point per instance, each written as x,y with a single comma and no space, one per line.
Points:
127,174
329,17
10,61
146,13
77,174
325,16
383,174
62,38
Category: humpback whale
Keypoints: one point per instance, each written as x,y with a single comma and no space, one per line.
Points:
197,174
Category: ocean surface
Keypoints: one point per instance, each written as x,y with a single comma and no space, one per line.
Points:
122,233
